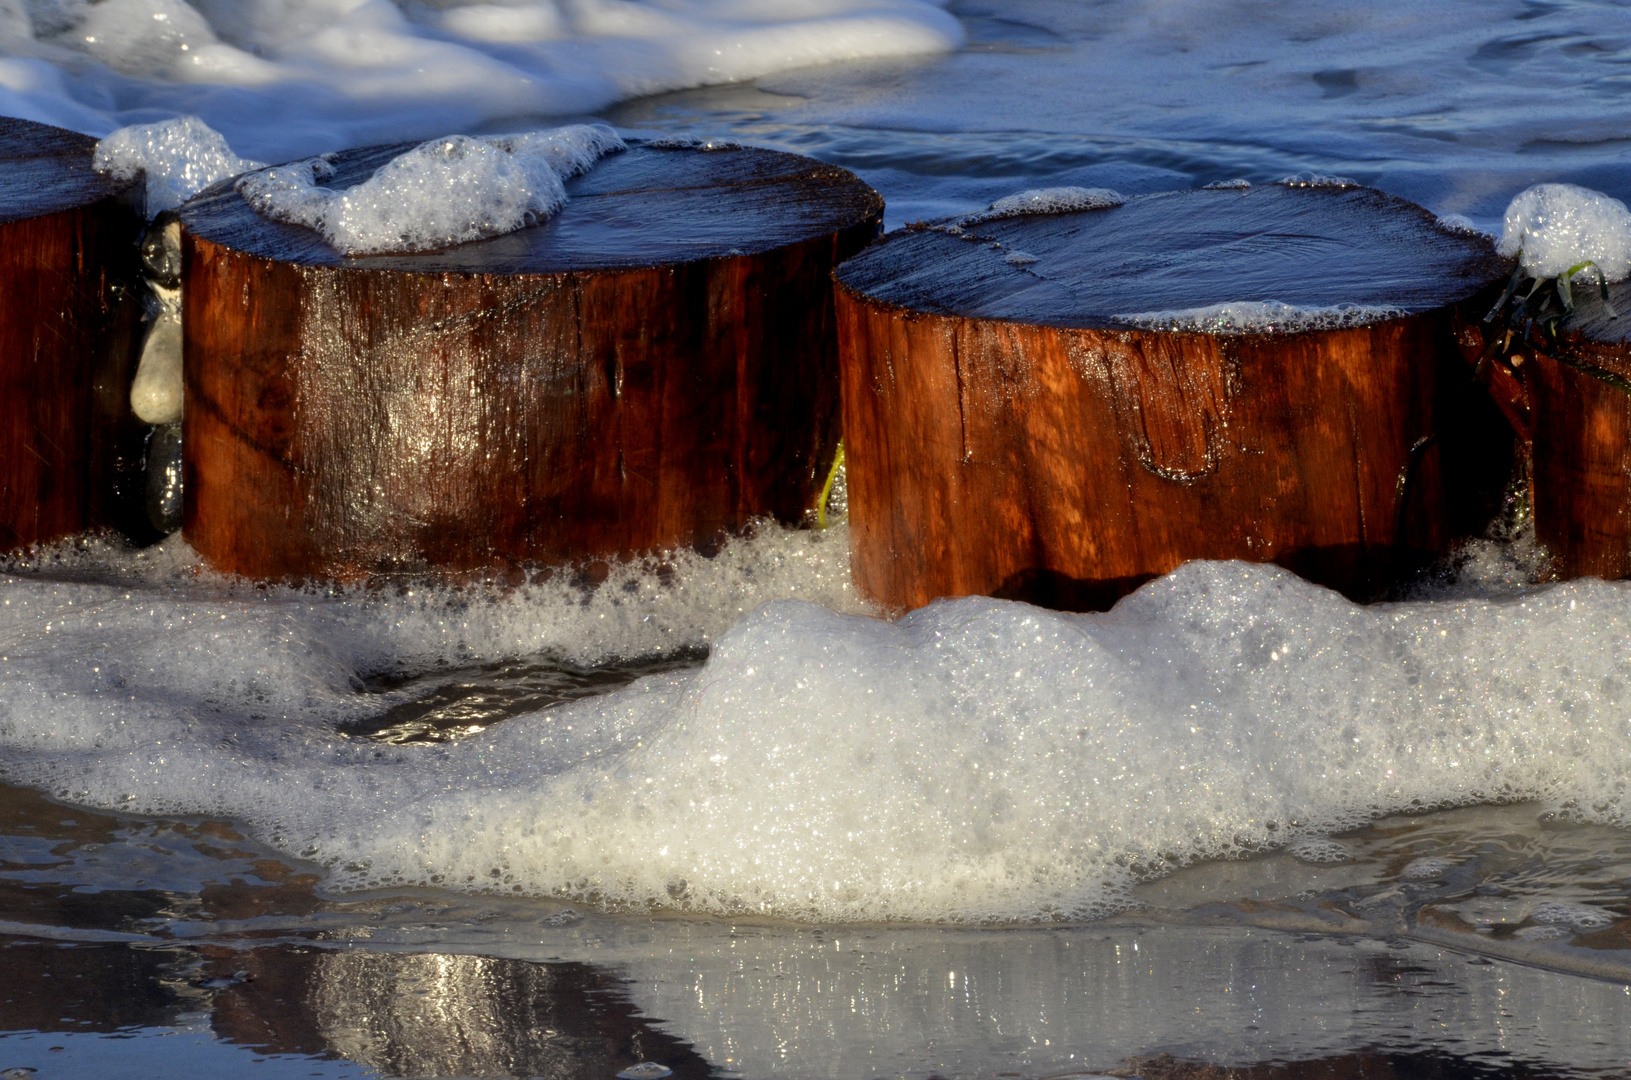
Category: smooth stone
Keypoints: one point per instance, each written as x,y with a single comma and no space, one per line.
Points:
155,394
164,479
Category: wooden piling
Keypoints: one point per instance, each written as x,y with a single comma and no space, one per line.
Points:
1007,434
652,367
1568,400
70,308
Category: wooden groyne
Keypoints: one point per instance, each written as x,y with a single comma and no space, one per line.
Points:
654,366
1567,396
1032,410
70,312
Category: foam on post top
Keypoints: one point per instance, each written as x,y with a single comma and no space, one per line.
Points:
1553,228
1260,317
179,158
440,193
1054,200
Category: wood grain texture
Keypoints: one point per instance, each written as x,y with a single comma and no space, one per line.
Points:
69,329
1067,461
1576,432
358,418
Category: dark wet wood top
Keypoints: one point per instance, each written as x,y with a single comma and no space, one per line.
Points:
646,206
1592,321
45,170
1309,247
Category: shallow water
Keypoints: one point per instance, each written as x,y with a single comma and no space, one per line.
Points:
626,814
260,752
133,941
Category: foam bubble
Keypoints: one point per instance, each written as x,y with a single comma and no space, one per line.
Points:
443,192
1228,185
1260,317
1553,227
179,158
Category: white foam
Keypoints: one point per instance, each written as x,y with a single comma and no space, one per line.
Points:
1259,317
1553,227
1053,200
286,79
443,192
977,760
179,158
1228,185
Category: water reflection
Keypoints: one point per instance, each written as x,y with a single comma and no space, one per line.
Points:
439,1015
86,988
1406,958
401,1015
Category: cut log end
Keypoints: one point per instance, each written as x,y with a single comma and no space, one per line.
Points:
1031,428
653,366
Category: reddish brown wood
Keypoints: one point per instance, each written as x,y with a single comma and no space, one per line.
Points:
1037,450
69,314
1576,431
654,366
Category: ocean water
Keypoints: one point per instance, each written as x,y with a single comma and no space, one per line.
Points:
709,810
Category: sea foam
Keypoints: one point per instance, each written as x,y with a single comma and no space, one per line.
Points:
443,192
286,80
178,158
1554,227
976,761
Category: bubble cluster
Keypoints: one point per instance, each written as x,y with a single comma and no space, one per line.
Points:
1319,850
1578,916
1053,200
1552,228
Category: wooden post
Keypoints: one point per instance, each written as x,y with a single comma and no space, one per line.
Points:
70,450
1569,404
1007,434
655,365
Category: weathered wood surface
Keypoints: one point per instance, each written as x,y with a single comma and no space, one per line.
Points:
1574,428
1005,435
654,366
70,451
